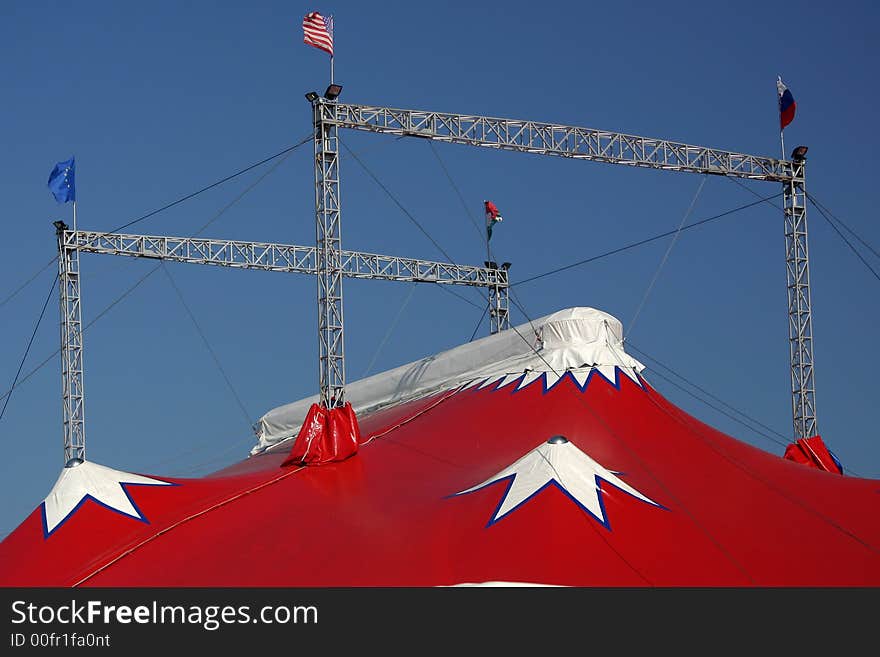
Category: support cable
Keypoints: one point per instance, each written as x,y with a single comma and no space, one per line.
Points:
449,290
481,233
247,416
669,248
415,221
843,237
655,372
820,207
731,416
629,450
793,498
28,348
397,203
753,192
177,459
153,271
394,322
645,241
838,220
287,150
484,237
154,212
706,440
479,323
709,394
12,294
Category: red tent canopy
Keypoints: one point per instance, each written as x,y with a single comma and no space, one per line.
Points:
586,477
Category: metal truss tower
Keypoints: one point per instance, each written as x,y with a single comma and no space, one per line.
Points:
631,150
330,264
328,244
800,320
499,299
236,254
72,386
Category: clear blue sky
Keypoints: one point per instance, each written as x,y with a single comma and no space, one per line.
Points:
159,99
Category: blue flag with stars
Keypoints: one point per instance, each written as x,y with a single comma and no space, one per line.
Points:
62,183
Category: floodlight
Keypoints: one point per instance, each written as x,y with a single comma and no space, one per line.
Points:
799,153
333,92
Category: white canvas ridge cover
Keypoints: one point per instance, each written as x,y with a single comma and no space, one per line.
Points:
575,339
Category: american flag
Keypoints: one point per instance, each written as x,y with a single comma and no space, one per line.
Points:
318,31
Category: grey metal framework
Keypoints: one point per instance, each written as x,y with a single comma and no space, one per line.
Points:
328,243
72,383
617,148
499,311
268,256
330,264
263,256
499,299
560,140
800,321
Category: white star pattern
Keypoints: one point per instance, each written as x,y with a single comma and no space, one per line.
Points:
89,480
560,463
580,375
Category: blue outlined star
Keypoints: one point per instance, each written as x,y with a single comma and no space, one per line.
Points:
557,462
86,480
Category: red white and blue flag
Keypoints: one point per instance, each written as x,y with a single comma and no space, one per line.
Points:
318,31
787,106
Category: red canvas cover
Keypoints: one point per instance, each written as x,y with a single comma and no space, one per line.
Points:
326,436
454,488
812,452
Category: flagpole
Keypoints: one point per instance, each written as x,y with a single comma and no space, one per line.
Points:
488,254
74,215
779,109
331,69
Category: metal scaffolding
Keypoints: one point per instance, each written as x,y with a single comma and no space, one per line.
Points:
800,320
560,140
261,256
72,383
630,150
290,258
330,264
328,244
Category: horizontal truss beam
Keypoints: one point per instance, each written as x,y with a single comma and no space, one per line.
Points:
561,140
267,256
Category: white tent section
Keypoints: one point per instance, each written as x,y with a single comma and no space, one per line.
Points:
575,340
559,462
86,479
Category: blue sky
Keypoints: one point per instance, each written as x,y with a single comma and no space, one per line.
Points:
157,100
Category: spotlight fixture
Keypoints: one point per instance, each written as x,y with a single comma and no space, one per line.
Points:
505,266
333,92
799,153
312,96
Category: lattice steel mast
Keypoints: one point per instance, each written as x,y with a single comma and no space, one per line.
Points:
72,385
330,263
800,320
617,148
328,245
237,254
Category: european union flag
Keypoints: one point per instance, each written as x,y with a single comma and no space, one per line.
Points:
62,183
